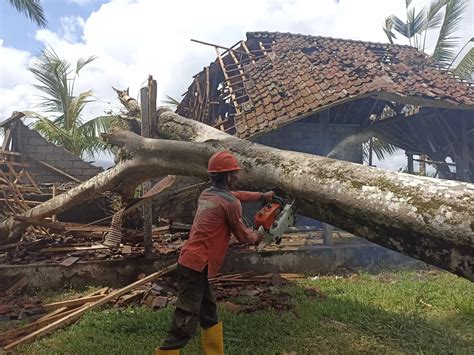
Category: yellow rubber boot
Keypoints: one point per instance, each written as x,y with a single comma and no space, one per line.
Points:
213,340
158,351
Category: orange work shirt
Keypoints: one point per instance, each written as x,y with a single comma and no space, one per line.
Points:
218,215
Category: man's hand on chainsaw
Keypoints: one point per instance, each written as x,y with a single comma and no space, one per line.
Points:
268,196
260,236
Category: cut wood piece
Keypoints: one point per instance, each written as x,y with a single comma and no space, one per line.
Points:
53,313
130,297
42,223
78,313
181,226
69,249
17,286
72,303
70,261
101,291
13,334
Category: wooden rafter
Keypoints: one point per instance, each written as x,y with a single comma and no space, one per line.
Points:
227,81
207,99
246,50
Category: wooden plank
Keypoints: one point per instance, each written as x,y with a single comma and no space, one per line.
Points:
130,297
247,52
462,161
54,313
152,96
59,171
146,132
18,285
207,98
55,192
69,261
371,150
13,163
42,223
11,335
411,168
7,139
242,76
68,249
226,77
72,303
200,99
78,313
7,152
218,46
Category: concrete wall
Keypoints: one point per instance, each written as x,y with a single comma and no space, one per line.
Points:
307,260
34,145
306,136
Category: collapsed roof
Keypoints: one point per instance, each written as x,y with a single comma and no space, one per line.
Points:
273,79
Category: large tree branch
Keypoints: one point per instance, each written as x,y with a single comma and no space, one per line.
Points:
429,219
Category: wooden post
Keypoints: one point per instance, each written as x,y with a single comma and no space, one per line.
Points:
54,218
325,149
462,161
327,234
324,132
422,164
147,212
371,148
152,95
410,168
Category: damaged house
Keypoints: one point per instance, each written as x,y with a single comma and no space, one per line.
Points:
46,161
37,167
309,93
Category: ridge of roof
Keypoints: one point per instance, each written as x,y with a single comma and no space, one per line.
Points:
267,34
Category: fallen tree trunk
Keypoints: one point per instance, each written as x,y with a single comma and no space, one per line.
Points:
428,219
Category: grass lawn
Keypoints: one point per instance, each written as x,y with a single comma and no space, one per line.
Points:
414,312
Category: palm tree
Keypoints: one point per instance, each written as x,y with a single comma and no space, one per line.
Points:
66,128
32,9
443,14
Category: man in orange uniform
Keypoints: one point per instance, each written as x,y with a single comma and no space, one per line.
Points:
218,215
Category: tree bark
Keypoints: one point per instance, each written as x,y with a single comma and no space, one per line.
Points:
428,219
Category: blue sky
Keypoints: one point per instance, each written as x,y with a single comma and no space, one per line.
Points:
19,32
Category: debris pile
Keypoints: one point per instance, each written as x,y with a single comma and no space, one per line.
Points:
243,292
83,243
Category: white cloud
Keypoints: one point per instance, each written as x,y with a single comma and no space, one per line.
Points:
134,38
71,27
15,88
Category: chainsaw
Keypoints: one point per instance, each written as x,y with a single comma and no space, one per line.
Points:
273,220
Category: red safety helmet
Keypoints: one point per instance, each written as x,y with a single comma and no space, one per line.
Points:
222,162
